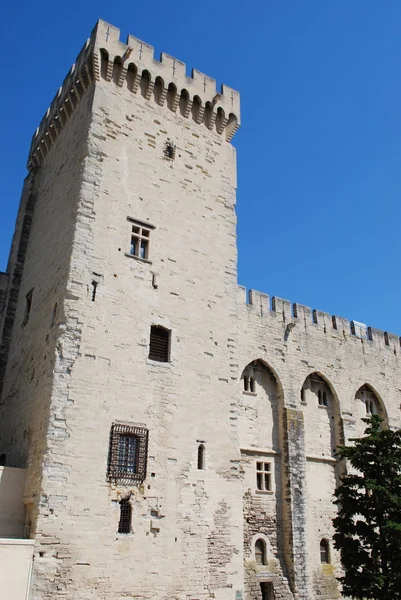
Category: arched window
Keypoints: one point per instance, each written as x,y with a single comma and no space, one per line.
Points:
252,384
324,552
201,457
124,524
260,552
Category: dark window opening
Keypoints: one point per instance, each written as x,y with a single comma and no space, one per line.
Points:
267,590
303,395
201,457
246,384
324,399
252,384
169,150
159,346
28,306
260,552
127,453
124,524
94,288
2,460
324,552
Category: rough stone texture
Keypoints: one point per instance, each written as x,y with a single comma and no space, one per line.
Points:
81,361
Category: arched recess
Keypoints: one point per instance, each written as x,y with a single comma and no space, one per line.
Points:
184,102
117,68
367,402
144,83
323,434
196,108
158,90
104,62
322,419
131,76
260,420
221,120
172,97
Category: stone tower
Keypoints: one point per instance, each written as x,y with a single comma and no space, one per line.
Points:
175,436
119,333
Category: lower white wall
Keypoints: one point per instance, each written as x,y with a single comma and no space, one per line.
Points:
12,509
15,568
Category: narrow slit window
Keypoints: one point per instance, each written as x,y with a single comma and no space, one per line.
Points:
201,457
124,524
324,552
324,398
28,306
252,384
320,398
159,345
246,384
303,395
263,476
260,552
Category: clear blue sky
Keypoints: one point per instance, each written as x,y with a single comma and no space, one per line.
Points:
319,150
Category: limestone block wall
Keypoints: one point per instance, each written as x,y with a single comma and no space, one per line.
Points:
92,309
39,267
306,352
3,290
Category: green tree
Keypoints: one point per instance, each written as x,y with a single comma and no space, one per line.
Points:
368,525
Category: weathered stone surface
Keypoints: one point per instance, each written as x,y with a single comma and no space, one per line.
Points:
119,143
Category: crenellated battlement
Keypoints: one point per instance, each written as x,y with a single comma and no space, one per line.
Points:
262,305
132,65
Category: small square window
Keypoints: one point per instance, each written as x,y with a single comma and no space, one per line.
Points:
127,453
263,476
140,239
159,345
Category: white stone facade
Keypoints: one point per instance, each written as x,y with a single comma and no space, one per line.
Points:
267,392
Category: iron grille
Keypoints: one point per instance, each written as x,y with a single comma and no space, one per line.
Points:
127,453
124,524
159,347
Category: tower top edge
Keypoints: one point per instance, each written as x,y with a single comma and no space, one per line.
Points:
106,37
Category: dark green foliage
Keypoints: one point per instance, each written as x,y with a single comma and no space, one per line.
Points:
368,526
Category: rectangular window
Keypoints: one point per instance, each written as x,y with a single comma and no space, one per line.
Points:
28,306
140,236
127,453
159,345
263,476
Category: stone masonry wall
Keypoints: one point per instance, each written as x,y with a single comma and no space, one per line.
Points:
186,538
345,361
41,263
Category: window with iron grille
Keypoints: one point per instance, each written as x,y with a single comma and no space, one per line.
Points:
127,453
159,345
124,524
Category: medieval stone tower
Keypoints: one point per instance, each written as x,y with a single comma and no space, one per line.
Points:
177,437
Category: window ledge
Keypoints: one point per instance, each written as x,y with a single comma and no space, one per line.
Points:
158,363
264,492
144,260
323,406
249,393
